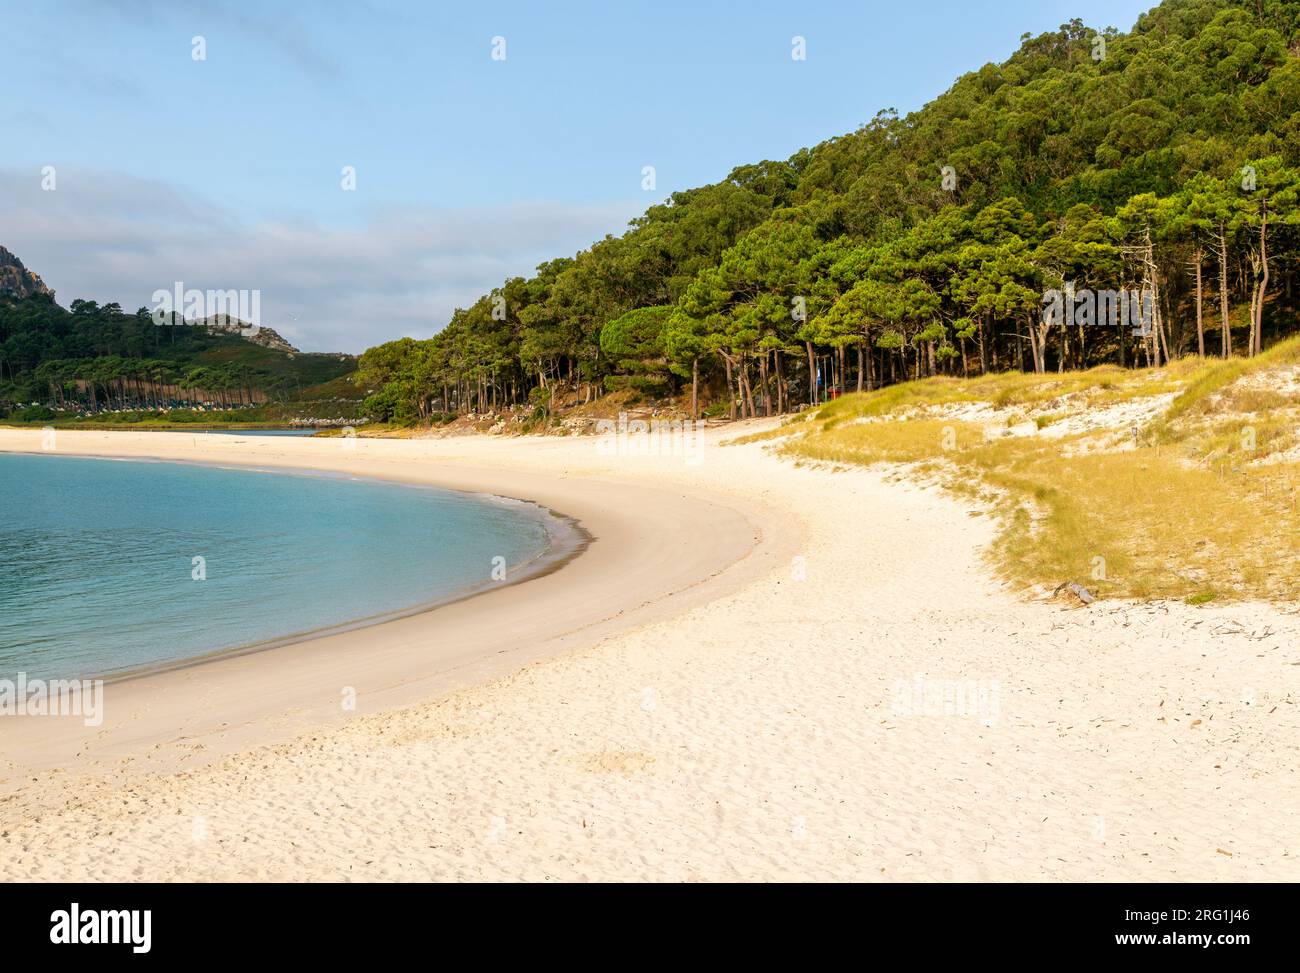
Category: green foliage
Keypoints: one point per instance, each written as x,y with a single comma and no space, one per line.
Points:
853,262
392,403
634,344
91,357
33,413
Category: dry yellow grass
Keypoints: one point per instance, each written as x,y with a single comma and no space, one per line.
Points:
1189,512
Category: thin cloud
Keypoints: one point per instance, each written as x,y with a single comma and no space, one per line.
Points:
108,236
284,32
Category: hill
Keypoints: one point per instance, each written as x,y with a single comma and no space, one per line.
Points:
1159,165
93,362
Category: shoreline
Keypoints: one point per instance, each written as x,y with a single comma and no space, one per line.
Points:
9,424
563,545
265,694
770,717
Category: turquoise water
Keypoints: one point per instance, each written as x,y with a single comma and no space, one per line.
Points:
260,432
97,569
244,432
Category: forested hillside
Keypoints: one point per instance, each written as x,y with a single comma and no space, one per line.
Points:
92,358
1164,162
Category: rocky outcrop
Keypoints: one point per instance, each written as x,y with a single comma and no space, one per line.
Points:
264,336
16,279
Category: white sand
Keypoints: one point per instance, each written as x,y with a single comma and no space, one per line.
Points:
698,712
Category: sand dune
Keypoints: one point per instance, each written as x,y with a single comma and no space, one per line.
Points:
810,676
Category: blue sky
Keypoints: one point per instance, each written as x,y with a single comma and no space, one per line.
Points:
225,173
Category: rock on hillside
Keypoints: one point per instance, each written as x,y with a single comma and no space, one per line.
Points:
18,280
263,335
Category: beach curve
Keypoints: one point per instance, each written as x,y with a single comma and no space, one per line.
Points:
822,709
645,551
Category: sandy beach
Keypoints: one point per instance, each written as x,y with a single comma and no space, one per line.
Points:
754,671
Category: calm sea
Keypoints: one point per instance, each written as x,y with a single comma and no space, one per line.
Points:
108,565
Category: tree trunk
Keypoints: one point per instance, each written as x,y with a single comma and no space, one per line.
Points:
1200,319
1038,334
1153,287
812,375
731,396
1223,293
781,403
747,388
1257,345
695,387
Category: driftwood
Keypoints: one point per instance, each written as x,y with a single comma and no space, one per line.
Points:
1076,589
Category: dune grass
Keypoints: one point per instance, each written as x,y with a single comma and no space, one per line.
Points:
1094,388
1198,396
1176,516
